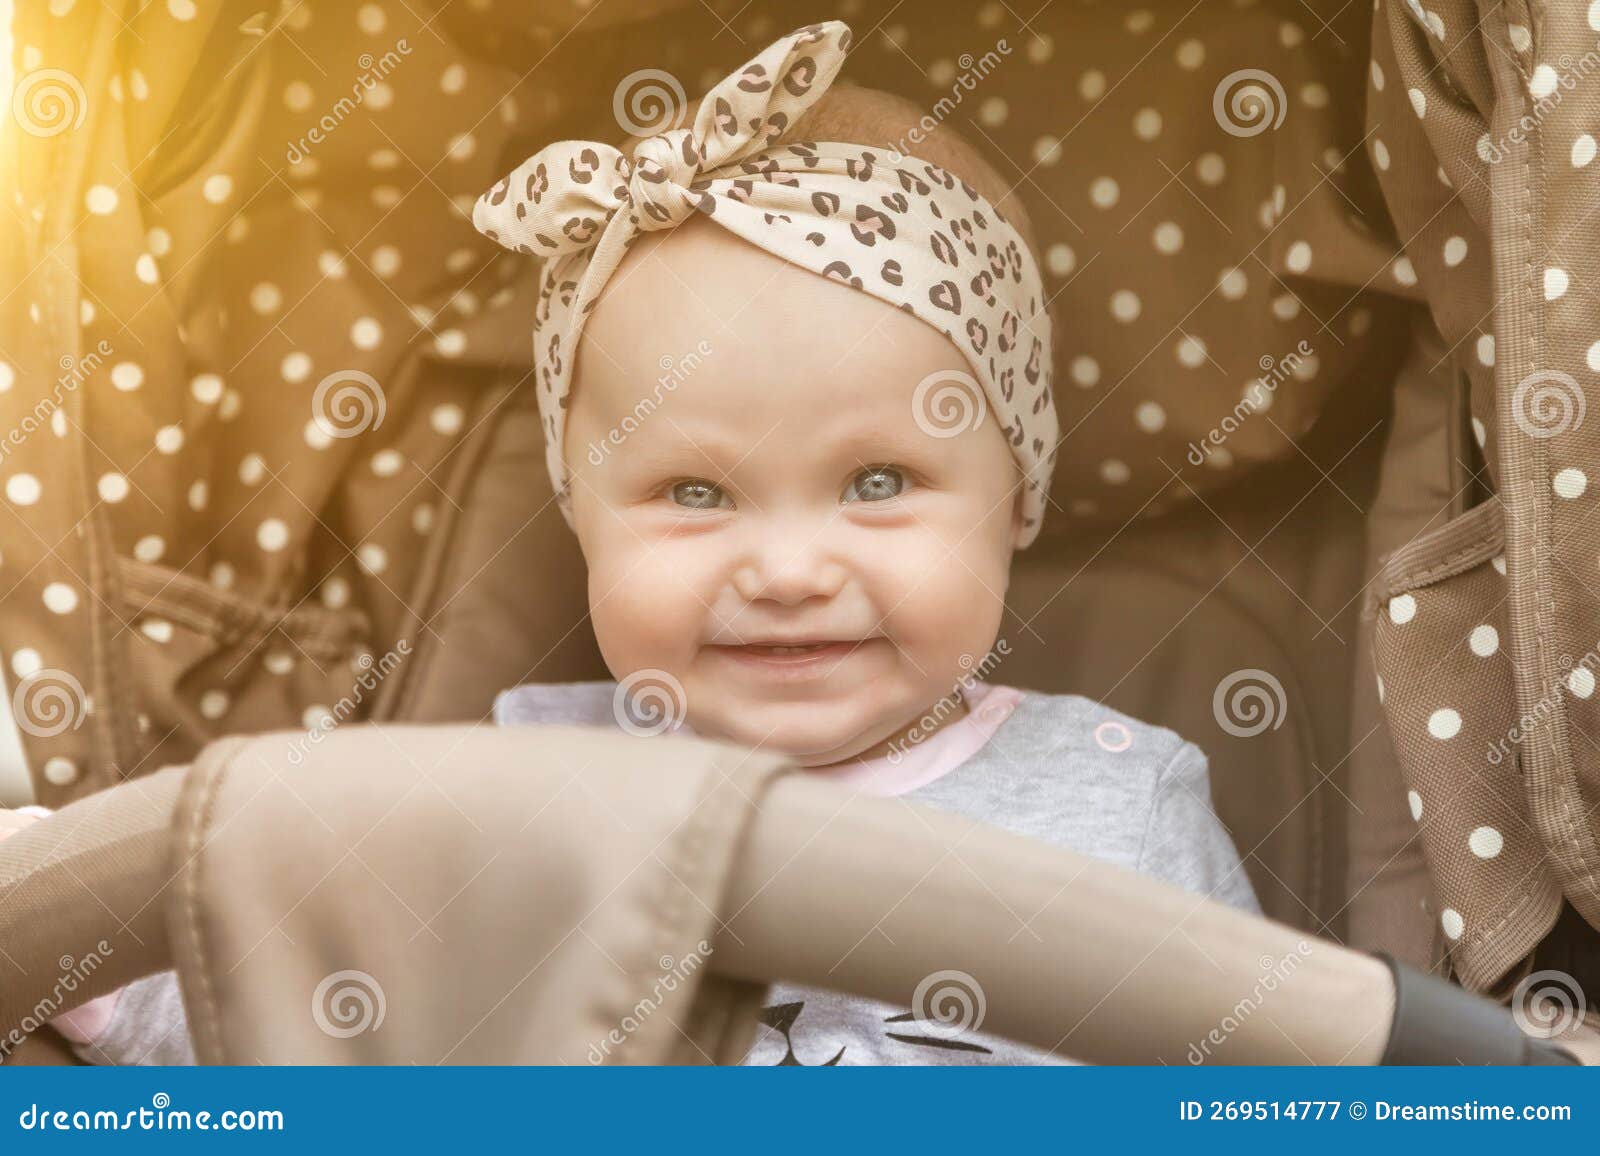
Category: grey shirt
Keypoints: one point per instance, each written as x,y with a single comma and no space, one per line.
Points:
1060,768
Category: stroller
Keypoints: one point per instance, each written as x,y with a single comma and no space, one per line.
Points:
279,470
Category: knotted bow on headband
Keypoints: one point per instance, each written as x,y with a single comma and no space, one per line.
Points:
898,228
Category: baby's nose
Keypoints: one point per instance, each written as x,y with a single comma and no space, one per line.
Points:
789,572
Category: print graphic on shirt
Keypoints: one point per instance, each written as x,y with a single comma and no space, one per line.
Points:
782,1018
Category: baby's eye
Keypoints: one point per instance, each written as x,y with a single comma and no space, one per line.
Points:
697,494
875,484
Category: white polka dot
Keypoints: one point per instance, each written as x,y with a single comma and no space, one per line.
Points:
1419,101
1455,251
332,265
1147,124
366,333
230,405
371,19
453,79
1485,842
313,717
1191,351
1377,76
1402,609
181,9
1085,371
1594,15
1486,349
218,188
1104,192
1125,305
1543,82
1380,689
26,661
1521,39
1298,259
1580,681
222,576
316,435
1168,238
379,95
1233,284
1555,282
298,95
278,662
126,376
1114,472
145,269
335,593
101,200
8,376
1380,154
1403,271
295,367
1499,563
446,419
1484,640
1583,150
1210,168
1150,416
206,388
59,598
158,241
272,535
387,463
252,468
372,558
1092,84
1570,483
1416,805
150,548
169,439
1444,723
60,771
156,629
113,487
266,298
422,518
199,495
1286,306
1450,920
450,343
23,489
1060,260
214,704
1191,55
1480,432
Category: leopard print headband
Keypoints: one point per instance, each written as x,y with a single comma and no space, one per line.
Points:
905,231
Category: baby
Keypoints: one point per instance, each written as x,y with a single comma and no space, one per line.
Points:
799,537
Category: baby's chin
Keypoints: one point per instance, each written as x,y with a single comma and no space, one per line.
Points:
797,734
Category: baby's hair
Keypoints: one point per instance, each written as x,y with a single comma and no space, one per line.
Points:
851,114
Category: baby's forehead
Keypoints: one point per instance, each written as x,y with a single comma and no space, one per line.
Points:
749,313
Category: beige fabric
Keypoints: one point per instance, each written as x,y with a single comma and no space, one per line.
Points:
900,229
1486,640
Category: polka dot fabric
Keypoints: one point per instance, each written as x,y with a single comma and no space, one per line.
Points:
1480,125
239,367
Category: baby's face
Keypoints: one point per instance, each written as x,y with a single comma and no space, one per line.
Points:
779,491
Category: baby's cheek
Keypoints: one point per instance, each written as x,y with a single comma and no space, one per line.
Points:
941,604
643,616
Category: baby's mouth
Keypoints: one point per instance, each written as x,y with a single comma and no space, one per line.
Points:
818,655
